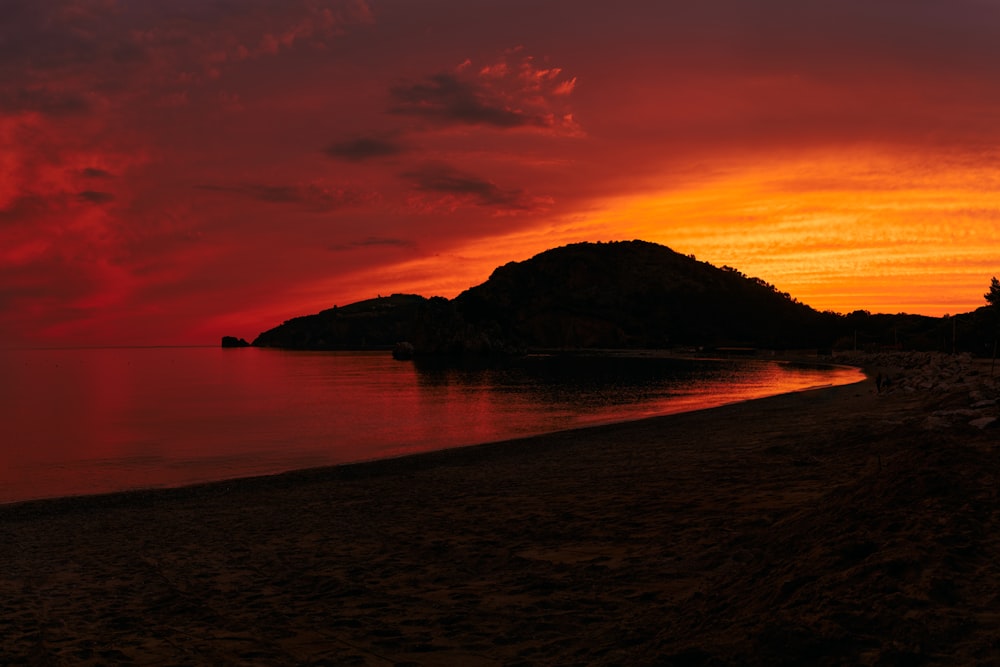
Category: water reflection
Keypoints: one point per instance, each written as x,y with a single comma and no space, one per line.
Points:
596,382
89,421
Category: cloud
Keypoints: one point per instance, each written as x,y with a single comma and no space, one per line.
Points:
317,21
43,100
510,93
313,196
23,208
68,56
446,97
360,149
96,197
371,242
459,187
94,172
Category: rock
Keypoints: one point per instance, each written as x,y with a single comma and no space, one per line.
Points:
935,423
964,412
983,422
402,351
233,341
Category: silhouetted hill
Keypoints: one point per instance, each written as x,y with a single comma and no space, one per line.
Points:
629,294
636,294
374,323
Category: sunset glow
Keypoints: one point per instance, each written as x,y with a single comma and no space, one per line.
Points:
174,171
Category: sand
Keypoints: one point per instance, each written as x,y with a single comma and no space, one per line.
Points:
838,526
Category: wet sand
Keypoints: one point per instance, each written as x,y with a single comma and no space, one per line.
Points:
837,526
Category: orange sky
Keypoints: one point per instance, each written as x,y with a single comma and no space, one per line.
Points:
172,171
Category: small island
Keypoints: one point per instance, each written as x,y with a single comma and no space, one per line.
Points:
233,341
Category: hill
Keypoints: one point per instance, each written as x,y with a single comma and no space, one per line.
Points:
370,324
630,294
636,294
627,294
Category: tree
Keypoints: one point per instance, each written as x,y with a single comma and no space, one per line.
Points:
993,296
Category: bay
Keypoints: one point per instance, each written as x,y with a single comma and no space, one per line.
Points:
85,421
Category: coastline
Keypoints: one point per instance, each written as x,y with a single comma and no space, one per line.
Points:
830,526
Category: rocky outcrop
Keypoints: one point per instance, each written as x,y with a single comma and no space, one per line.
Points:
961,390
402,351
233,341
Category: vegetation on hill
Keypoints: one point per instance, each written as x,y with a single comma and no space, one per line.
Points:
635,294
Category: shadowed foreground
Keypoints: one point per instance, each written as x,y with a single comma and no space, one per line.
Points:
830,527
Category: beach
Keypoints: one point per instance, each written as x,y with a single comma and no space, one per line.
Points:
836,526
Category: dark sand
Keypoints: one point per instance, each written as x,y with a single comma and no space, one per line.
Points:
829,527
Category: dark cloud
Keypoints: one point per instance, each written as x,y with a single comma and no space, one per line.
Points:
446,180
96,197
281,194
24,208
515,91
312,196
42,100
94,172
96,47
372,241
43,35
447,98
364,148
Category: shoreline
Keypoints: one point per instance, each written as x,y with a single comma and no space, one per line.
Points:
834,526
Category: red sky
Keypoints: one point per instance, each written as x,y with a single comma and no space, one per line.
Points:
176,170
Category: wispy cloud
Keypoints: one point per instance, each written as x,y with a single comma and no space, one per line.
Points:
373,242
96,197
445,97
55,56
510,93
313,196
44,100
94,172
359,149
458,187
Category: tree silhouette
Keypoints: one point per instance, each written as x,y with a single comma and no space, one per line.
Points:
993,296
993,299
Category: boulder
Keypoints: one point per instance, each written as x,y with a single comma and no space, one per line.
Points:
233,341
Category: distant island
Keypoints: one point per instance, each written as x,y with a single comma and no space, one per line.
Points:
621,295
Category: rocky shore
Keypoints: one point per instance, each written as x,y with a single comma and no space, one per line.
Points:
959,388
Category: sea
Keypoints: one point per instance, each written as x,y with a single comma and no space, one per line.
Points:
89,421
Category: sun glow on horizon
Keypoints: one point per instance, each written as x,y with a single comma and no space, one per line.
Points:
839,232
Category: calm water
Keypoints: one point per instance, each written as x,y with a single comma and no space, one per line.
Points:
83,421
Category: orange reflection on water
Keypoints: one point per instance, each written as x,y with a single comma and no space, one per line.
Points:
97,420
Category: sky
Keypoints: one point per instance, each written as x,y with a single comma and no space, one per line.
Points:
172,171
